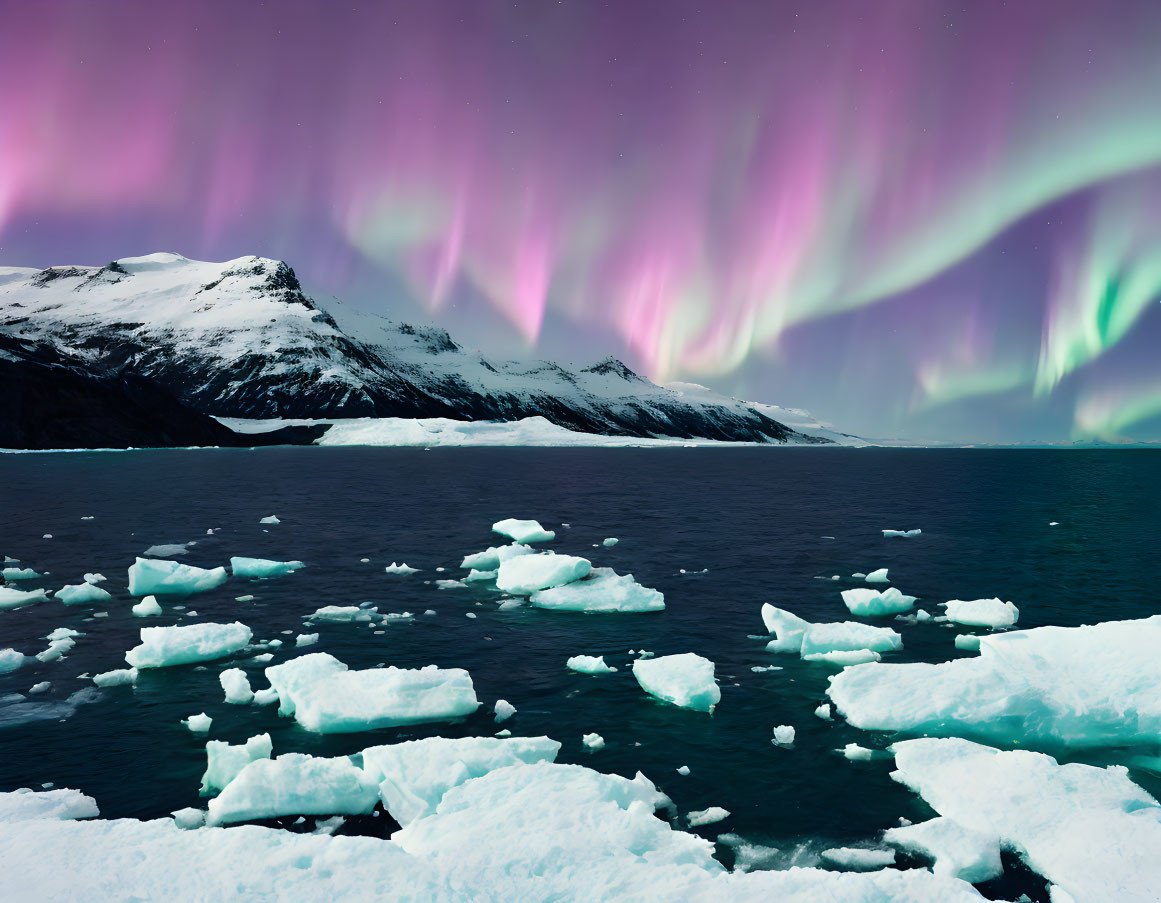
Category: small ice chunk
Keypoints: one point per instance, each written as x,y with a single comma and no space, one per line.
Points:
871,603
858,859
224,760
263,658
189,818
685,680
265,697
857,753
162,647
262,567
60,633
451,584
19,574
610,542
979,612
199,724
958,851
877,576
237,686
710,816
922,615
248,597
343,614
683,770
306,639
11,597
508,604
903,533
270,519
858,575
295,784
823,712
528,574
56,648
968,641
604,590
504,710
794,634
403,568
593,741
491,558
763,669
588,664
10,660
475,576
523,530
167,550
116,678
328,826
147,607
43,687
47,536
95,578
82,594
844,658
25,805
783,735
151,575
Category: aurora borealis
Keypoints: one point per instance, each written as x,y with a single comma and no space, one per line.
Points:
920,219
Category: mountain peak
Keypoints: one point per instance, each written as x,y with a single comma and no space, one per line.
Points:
611,366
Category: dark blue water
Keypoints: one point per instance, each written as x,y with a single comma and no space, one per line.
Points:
765,522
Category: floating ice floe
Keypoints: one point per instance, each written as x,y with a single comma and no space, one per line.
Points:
604,590
1090,831
189,818
56,648
522,530
958,851
475,576
795,634
609,542
710,816
157,576
237,686
325,697
344,614
305,639
877,576
95,578
967,641
503,710
450,584
10,660
685,680
844,658
34,805
168,549
783,735
593,742
117,678
857,753
1073,686
147,607
19,574
43,687
978,612
903,533
683,770
162,647
198,724
858,858
588,664
225,760
414,776
528,574
270,519
872,602
82,594
403,568
491,558
294,784
263,567
823,712
10,597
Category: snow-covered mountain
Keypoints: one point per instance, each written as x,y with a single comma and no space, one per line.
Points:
241,339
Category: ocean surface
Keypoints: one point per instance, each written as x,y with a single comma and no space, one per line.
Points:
719,531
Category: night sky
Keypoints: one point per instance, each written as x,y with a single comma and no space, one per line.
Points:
917,219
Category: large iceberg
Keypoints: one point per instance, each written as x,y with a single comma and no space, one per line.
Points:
1091,831
413,776
795,634
225,760
686,680
522,530
164,646
868,602
327,698
529,574
1071,686
294,784
82,594
10,597
263,567
150,576
604,590
979,612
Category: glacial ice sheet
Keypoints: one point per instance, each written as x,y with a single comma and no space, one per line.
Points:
981,612
413,776
325,697
795,634
262,567
162,647
1055,686
685,680
528,574
225,760
294,784
150,576
1090,831
522,531
604,590
82,594
868,602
